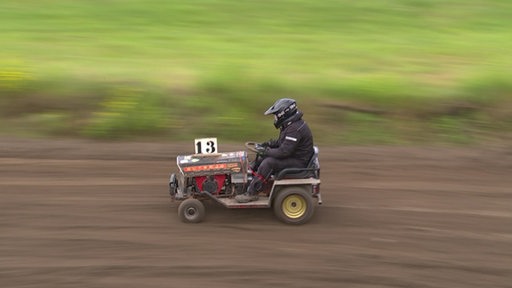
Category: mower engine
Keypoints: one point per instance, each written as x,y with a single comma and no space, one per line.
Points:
220,174
212,184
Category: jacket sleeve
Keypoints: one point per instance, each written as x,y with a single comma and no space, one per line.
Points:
287,147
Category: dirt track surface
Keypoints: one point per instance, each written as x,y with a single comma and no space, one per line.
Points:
84,214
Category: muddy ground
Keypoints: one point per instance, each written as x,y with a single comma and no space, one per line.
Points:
86,214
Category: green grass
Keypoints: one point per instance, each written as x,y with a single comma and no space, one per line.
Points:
203,63
174,42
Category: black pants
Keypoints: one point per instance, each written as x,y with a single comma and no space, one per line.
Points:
268,166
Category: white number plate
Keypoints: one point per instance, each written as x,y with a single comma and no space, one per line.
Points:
206,145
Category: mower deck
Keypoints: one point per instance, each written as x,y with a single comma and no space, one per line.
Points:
262,202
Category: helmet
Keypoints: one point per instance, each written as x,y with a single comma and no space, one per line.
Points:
283,109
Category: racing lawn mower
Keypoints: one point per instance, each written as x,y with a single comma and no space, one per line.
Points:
292,193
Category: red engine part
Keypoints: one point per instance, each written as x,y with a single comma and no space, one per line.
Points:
207,183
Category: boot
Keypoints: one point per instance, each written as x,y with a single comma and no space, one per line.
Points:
252,191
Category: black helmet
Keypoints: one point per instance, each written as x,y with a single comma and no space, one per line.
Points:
283,109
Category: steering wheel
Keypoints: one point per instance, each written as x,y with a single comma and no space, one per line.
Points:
254,147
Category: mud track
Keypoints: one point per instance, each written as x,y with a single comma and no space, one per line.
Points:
85,214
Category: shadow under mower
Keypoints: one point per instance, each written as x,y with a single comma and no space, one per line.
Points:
291,193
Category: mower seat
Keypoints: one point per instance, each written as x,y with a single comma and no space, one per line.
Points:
312,170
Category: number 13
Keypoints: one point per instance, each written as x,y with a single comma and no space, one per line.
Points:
207,146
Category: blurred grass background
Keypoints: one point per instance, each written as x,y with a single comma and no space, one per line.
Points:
364,72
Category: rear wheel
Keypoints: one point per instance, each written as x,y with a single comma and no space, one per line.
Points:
294,205
191,211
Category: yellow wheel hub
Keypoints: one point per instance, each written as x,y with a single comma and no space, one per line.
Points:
294,206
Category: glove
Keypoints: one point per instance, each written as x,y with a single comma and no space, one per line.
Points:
270,143
261,150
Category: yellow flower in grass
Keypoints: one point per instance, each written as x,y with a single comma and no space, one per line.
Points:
10,79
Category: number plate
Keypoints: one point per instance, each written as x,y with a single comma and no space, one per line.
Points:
206,145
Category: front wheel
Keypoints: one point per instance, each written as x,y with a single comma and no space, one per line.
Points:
191,211
294,205
173,185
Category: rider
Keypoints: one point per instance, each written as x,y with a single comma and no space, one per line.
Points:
293,149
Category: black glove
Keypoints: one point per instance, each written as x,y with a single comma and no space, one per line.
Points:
261,150
270,143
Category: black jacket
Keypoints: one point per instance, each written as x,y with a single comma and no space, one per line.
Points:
295,141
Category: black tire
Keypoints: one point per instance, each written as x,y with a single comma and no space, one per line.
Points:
191,211
294,205
173,185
